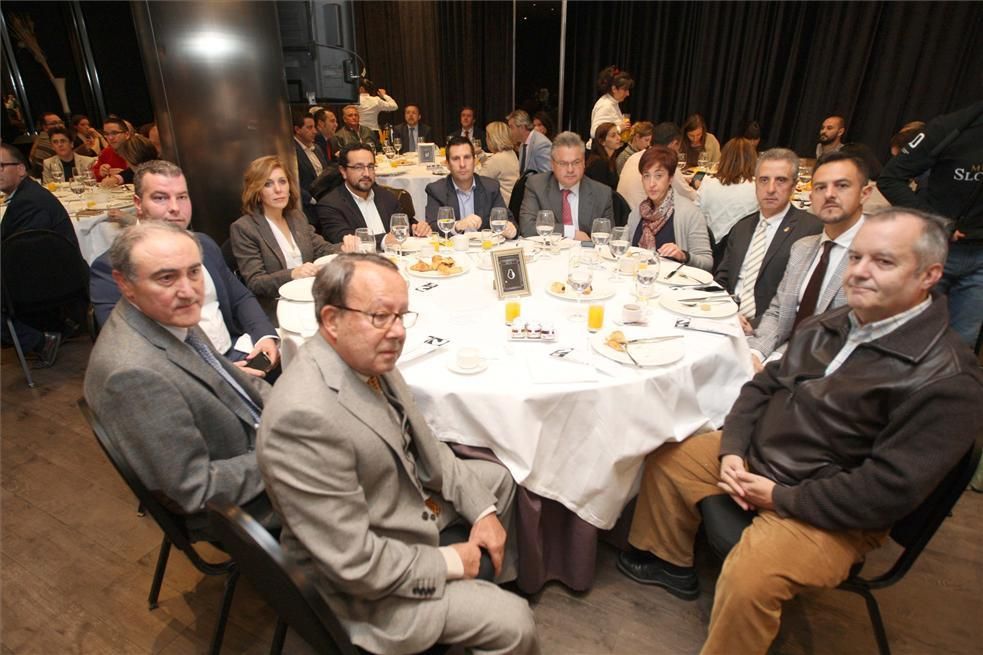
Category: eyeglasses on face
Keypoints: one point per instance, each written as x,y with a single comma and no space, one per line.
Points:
569,164
361,167
383,320
5,164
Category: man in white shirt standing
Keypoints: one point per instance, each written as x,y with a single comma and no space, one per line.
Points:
370,105
813,280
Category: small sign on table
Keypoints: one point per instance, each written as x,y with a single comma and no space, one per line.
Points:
511,278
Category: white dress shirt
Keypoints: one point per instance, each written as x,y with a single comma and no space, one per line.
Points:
370,213
212,323
838,252
770,233
369,108
291,253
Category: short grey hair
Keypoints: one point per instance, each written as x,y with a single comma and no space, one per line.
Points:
567,140
120,253
520,118
153,167
779,154
332,281
932,246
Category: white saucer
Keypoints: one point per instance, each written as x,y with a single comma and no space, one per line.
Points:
454,368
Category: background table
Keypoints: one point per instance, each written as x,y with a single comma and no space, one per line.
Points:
93,226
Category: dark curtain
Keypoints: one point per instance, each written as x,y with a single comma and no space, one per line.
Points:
440,56
787,65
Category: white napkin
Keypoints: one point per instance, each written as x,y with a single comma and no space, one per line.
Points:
544,369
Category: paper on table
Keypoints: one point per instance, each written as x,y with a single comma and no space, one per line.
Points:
558,370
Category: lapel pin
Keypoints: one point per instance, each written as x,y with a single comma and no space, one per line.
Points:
786,229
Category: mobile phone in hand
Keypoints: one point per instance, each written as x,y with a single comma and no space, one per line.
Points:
260,362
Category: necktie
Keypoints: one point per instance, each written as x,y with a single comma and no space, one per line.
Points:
399,412
567,213
199,346
811,296
522,159
411,146
752,266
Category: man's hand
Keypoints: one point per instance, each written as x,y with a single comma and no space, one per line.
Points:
349,243
957,235
104,170
745,324
422,229
472,222
757,490
757,363
672,251
269,347
470,557
580,235
731,466
490,535
510,230
307,269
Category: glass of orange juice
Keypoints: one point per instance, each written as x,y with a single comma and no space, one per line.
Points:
487,239
512,310
595,317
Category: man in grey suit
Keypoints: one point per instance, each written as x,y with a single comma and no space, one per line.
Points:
182,415
813,280
575,200
472,196
364,487
756,254
533,147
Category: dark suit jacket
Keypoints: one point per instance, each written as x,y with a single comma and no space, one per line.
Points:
305,169
33,207
487,195
338,214
543,192
423,133
477,132
794,226
240,309
325,146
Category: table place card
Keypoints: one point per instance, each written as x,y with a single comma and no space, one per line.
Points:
511,277
416,350
560,368
426,287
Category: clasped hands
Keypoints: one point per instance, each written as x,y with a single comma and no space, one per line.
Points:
748,490
486,533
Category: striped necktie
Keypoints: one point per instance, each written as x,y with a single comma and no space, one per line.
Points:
199,346
752,266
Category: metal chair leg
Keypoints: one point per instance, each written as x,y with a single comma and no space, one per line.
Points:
223,615
279,636
20,353
165,551
874,610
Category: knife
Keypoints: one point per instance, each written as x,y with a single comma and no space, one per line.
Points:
676,270
654,339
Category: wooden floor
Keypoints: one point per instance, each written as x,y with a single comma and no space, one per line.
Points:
77,562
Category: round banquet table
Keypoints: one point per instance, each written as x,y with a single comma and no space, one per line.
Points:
412,177
94,227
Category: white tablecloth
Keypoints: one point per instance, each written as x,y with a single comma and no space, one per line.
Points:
95,233
412,178
581,443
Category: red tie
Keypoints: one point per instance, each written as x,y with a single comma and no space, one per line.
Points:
810,297
567,214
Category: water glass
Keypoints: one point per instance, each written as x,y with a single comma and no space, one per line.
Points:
399,225
600,232
545,224
579,277
645,284
366,240
445,220
498,220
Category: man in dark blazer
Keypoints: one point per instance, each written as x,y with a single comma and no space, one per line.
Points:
412,131
468,128
783,225
161,195
472,196
327,124
183,417
586,198
359,202
311,160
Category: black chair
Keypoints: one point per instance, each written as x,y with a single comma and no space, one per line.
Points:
174,527
404,199
724,521
518,191
42,272
621,211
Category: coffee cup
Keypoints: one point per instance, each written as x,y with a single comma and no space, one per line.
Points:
628,264
460,241
468,358
631,313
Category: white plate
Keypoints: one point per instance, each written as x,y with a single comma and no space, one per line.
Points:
687,276
605,252
714,310
461,259
300,290
321,261
412,244
657,353
563,244
599,292
454,368
390,173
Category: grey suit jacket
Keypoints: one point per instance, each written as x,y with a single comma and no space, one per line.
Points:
184,430
261,262
352,501
52,166
543,192
794,226
690,230
775,327
537,154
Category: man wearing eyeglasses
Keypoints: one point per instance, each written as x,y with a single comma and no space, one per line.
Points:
575,200
364,488
116,132
359,202
65,161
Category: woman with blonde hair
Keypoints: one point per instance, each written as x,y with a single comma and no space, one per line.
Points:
503,165
272,241
729,196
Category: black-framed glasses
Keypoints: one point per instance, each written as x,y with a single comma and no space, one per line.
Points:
5,164
383,320
361,167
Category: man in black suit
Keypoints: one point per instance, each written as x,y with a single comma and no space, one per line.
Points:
468,128
359,202
412,131
311,160
326,124
472,196
758,245
31,207
229,310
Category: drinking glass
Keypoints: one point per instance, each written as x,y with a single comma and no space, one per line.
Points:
399,225
704,161
58,175
487,240
579,276
545,223
682,160
618,245
445,220
397,144
366,241
388,151
498,220
600,233
645,285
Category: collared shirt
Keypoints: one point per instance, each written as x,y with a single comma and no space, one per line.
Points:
211,322
465,199
570,231
370,213
840,247
179,333
311,155
770,233
860,334
291,253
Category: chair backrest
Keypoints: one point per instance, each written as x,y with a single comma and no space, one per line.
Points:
42,269
281,582
329,180
404,199
171,523
621,210
518,191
